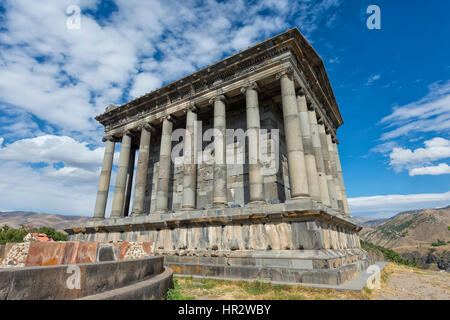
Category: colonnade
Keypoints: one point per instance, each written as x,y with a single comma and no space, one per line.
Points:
313,159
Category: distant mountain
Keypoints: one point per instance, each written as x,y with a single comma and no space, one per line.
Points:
411,233
410,228
16,218
368,221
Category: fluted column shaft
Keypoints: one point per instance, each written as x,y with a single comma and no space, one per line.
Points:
162,186
220,166
190,163
327,165
317,148
105,178
129,184
341,180
334,172
121,178
296,160
256,179
310,161
141,172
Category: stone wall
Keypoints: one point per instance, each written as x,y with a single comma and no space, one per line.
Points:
28,254
139,279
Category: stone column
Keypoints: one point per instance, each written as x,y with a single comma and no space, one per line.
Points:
220,166
105,178
129,185
142,168
190,160
165,161
256,179
317,148
341,180
334,171
310,161
327,165
121,178
296,159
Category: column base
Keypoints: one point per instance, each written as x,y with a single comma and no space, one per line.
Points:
220,205
256,203
135,214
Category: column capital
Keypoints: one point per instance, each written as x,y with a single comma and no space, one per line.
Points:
219,97
146,126
310,105
319,119
288,72
109,137
167,117
301,92
128,133
192,107
250,85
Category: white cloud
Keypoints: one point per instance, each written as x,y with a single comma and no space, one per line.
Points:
429,114
144,83
54,80
387,205
441,168
372,79
23,188
53,149
435,149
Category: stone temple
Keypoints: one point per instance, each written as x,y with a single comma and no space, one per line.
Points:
279,215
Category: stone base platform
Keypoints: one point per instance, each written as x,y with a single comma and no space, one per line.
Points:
313,267
297,241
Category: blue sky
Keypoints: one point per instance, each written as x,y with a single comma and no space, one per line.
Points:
392,86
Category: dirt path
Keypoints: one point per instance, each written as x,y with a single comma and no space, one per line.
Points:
402,283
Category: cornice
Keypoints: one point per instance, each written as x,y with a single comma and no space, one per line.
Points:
231,68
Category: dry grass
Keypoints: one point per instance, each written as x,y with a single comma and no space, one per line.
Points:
211,289
397,282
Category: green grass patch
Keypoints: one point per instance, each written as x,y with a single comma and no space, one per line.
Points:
438,243
255,287
389,254
177,293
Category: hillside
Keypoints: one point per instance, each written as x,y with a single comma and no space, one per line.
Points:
411,233
16,218
368,221
411,228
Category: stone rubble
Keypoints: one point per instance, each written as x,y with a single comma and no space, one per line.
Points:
135,251
17,256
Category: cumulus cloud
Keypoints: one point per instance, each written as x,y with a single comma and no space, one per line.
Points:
53,149
144,83
441,168
55,80
23,188
430,114
387,205
435,149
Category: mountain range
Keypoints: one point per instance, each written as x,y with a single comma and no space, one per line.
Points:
16,218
